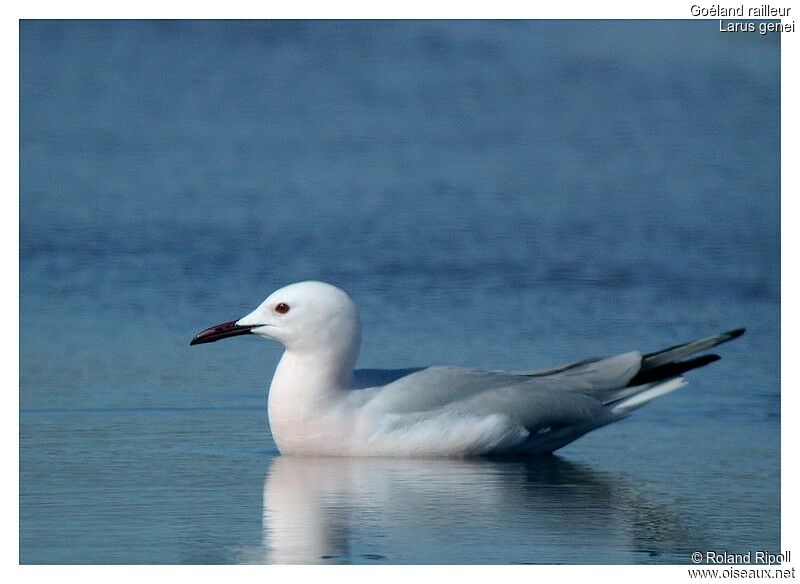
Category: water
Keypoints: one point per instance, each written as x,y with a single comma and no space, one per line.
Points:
495,194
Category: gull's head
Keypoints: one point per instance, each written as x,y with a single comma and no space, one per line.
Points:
303,317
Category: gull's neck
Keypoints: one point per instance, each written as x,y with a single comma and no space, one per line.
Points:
303,393
316,373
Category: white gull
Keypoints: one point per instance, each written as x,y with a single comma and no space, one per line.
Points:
319,405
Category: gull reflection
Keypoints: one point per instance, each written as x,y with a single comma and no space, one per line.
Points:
349,510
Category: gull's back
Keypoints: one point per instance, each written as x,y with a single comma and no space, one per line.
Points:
451,411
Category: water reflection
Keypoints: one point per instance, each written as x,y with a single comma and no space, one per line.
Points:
329,510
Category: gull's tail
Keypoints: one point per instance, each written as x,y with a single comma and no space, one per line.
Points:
660,372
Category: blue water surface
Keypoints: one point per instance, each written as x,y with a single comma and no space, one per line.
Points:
493,194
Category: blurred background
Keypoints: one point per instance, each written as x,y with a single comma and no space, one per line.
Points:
493,194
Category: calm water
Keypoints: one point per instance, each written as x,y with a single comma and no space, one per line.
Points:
501,195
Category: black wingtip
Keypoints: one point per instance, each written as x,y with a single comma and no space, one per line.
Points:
673,369
736,333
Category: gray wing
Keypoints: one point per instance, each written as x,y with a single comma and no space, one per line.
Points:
481,412
579,393
470,391
435,387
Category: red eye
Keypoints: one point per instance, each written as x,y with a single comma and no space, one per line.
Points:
281,308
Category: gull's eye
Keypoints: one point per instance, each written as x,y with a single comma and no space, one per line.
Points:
282,308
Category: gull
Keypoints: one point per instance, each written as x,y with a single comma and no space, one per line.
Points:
319,405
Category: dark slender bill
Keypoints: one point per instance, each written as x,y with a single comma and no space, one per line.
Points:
220,331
